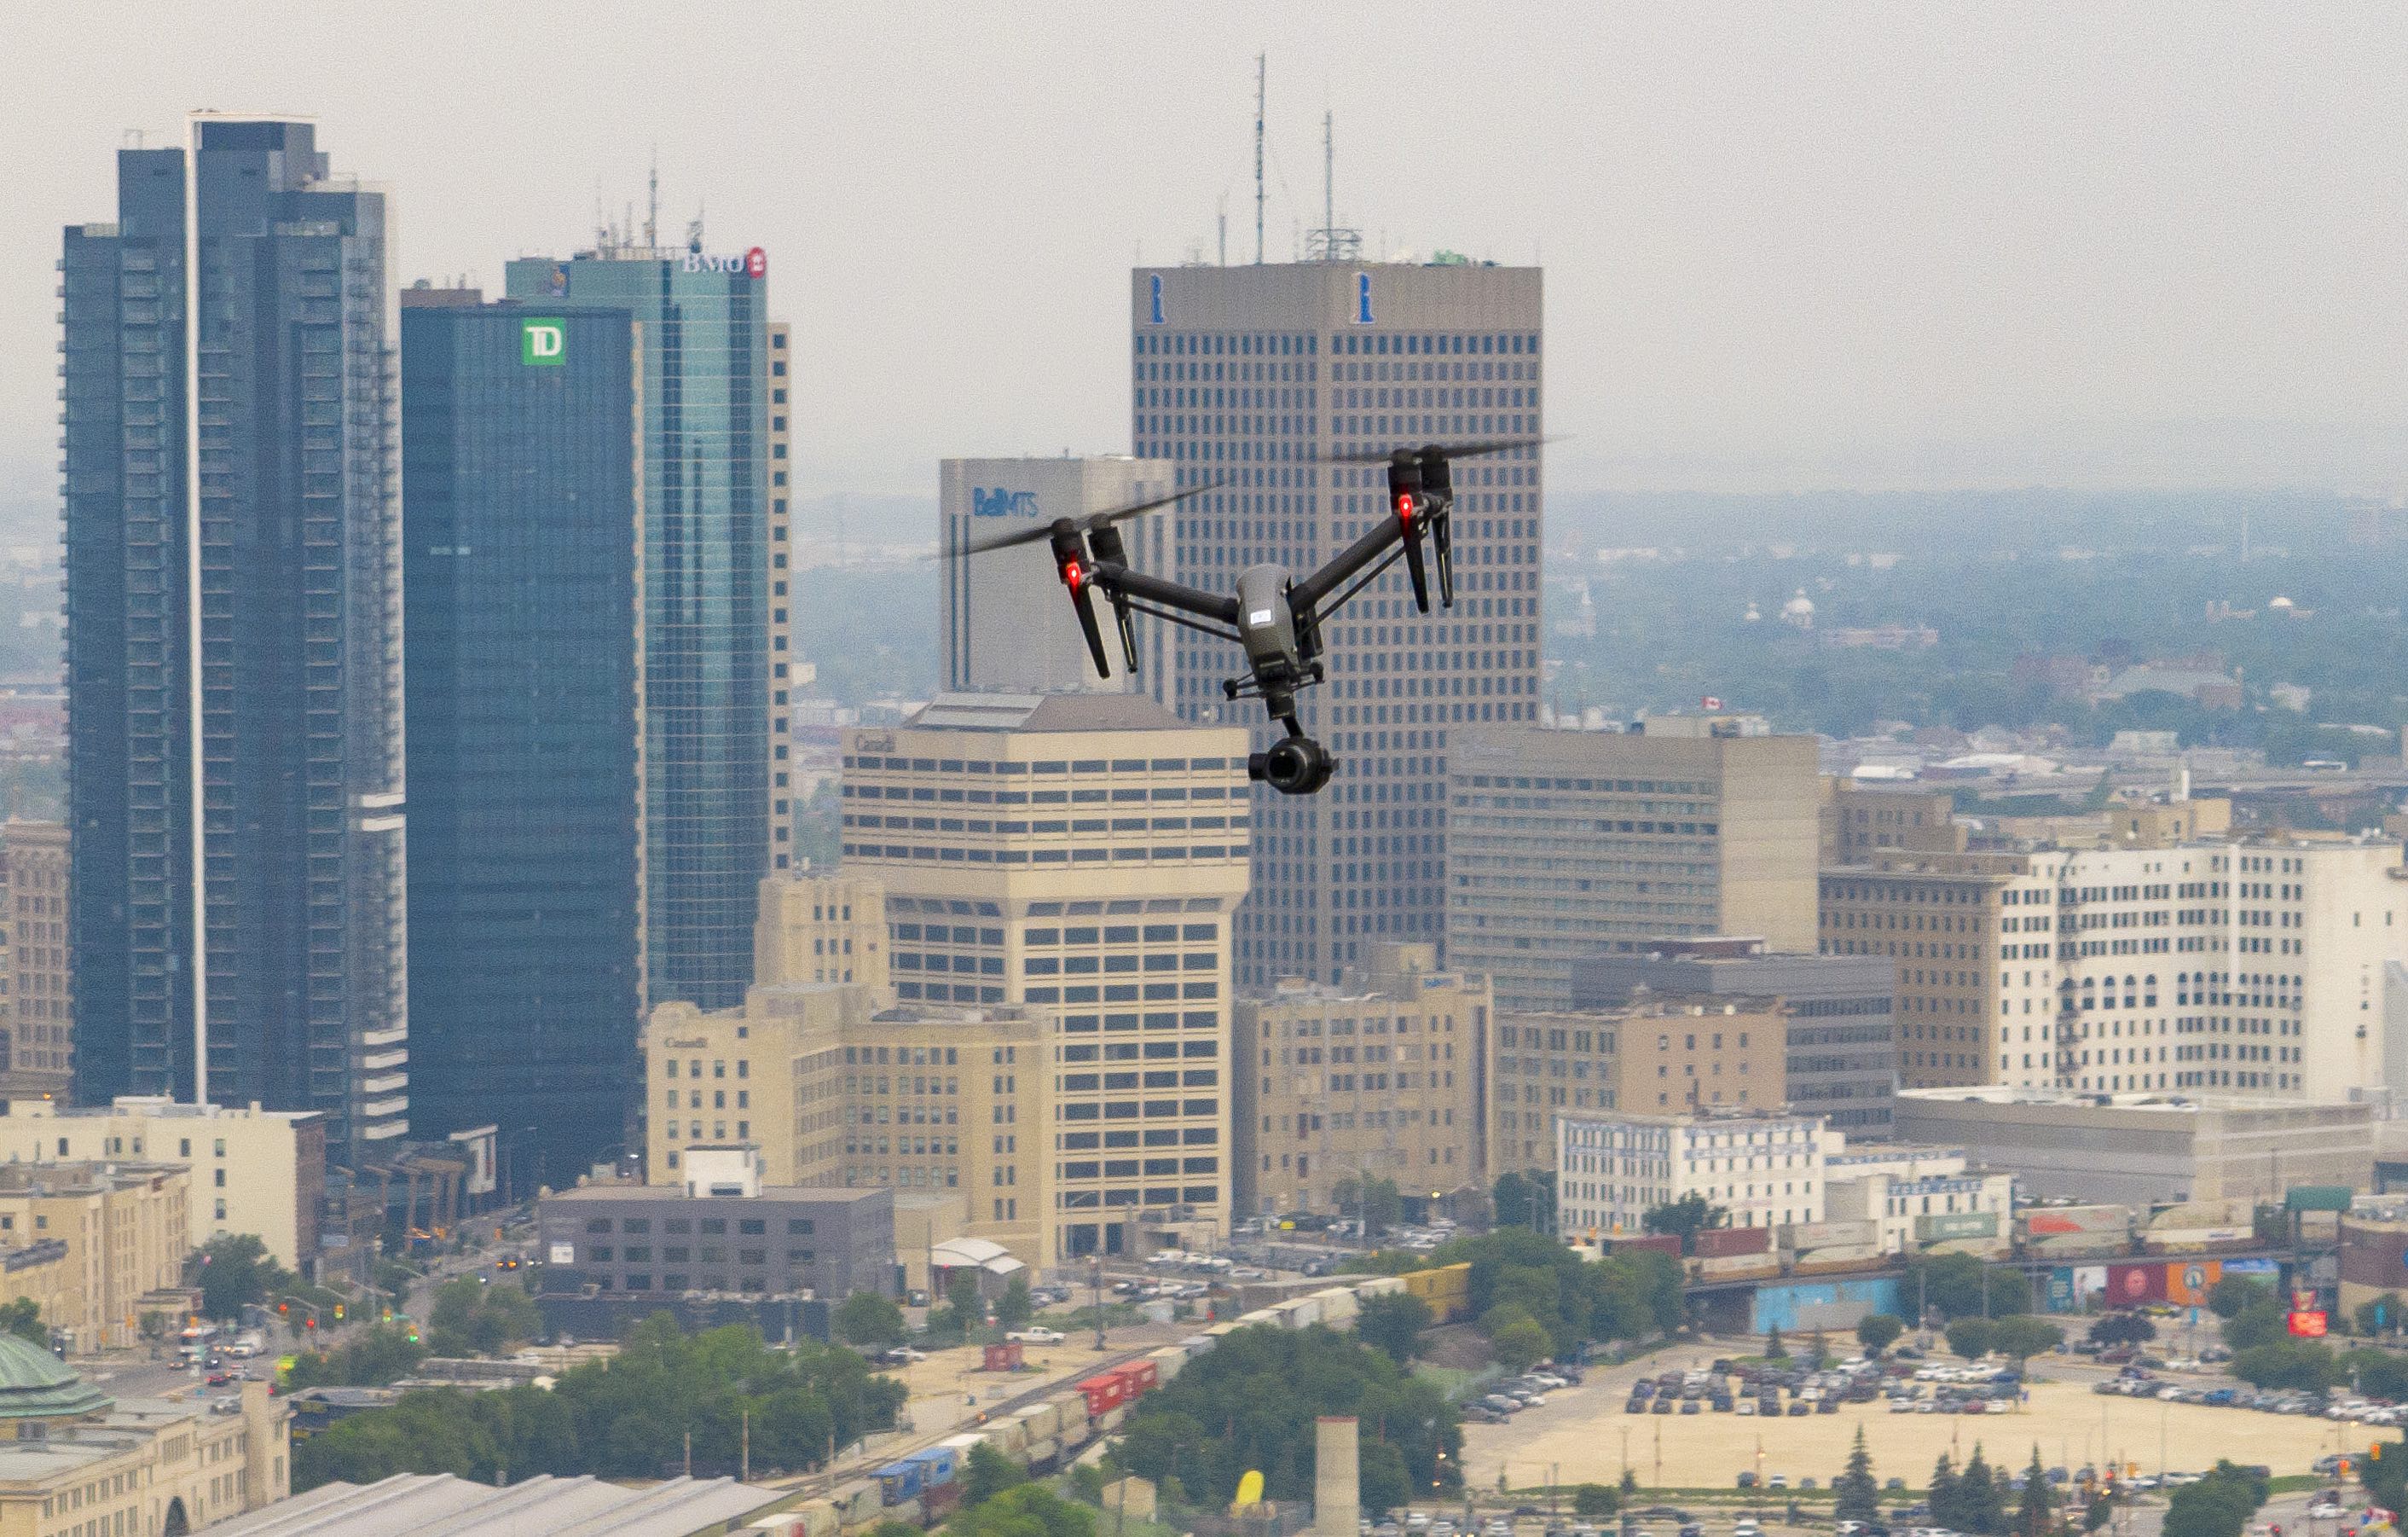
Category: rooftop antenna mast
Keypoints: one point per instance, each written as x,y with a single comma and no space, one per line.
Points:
1262,76
1329,243
1225,229
653,205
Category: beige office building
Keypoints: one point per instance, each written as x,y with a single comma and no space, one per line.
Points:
2255,968
1660,1056
1082,855
822,927
36,1003
765,1074
125,1231
1566,844
252,1170
1861,822
1377,1078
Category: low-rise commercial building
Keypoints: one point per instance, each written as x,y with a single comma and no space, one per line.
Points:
75,1463
1765,1170
251,1170
1377,1078
1841,1030
723,1230
1918,1198
2140,1148
1656,1055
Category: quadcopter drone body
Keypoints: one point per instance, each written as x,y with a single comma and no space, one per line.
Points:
1273,617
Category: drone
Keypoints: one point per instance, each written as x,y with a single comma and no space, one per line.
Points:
1276,618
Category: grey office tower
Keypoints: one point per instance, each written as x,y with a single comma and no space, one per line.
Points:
249,456
1258,377
713,590
521,518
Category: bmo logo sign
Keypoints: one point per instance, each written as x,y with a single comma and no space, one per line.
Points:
753,264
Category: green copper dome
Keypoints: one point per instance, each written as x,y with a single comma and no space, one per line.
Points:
37,1385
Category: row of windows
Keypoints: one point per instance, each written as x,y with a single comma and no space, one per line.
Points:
1039,856
1048,765
686,1224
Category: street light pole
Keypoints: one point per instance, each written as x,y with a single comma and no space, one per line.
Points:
1096,1263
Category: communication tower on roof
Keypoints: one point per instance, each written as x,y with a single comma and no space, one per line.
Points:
1329,243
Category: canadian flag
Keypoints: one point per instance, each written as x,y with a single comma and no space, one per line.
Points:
1711,702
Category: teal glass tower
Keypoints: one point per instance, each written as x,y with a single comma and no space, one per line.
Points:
707,480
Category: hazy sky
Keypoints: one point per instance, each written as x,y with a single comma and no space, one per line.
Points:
1786,246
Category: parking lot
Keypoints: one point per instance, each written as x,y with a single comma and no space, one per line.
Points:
1583,1434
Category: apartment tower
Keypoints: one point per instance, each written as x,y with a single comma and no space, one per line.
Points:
231,492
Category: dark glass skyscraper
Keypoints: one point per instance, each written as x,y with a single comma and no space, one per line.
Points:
520,508
251,457
712,398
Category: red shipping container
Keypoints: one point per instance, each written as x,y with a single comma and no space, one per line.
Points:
1001,1358
1725,1243
1140,1377
1661,1242
941,1501
1103,1393
2131,1285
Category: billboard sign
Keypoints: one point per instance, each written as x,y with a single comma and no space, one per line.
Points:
2188,1283
2131,1286
543,343
2308,1326
1940,1227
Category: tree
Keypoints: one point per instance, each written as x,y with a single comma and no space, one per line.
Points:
1376,1201
2302,1365
2120,1329
380,1355
2037,1512
1954,1286
473,1318
2261,1324
1980,1502
24,1318
1393,1323
1947,1498
2020,1337
1878,1331
2385,1473
1015,1308
1818,1352
1774,1350
2233,1293
1860,1495
1684,1219
2372,1316
1520,1343
1594,1501
1252,1401
1524,1200
869,1320
1972,1338
989,1474
1025,1510
233,1271
2218,1505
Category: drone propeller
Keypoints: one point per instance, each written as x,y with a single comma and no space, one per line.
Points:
1082,525
1443,450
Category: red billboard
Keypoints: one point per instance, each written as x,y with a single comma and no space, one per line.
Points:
2308,1325
2132,1286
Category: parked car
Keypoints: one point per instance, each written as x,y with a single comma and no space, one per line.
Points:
1036,1334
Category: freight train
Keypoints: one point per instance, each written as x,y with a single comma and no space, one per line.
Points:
924,1487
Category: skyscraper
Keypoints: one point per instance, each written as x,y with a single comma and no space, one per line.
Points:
251,457
525,881
714,579
1007,623
1259,377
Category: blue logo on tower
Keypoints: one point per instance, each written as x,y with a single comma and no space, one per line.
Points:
999,502
1362,298
1155,318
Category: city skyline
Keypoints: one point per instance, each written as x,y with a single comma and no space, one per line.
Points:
1896,251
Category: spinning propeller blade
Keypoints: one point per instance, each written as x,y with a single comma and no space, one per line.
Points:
1086,525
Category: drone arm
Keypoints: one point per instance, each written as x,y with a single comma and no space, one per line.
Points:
1173,616
1168,595
1309,591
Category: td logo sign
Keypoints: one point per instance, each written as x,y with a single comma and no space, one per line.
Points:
543,343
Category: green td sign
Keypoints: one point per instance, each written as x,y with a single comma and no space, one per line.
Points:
543,343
